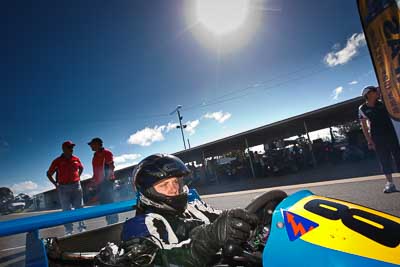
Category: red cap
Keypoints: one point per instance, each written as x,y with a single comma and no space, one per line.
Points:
68,144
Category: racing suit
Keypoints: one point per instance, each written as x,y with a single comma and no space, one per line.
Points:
176,234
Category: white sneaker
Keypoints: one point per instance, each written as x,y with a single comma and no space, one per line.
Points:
389,188
82,229
69,233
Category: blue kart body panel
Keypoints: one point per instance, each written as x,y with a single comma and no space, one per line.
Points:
284,248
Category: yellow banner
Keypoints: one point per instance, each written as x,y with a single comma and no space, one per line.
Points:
381,23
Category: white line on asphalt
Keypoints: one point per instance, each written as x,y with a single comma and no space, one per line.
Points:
40,212
286,187
32,212
8,249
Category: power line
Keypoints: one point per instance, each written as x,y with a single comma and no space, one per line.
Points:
229,96
259,86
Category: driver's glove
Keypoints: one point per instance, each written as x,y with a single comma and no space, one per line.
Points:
234,225
140,251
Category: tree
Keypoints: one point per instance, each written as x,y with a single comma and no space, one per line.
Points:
24,198
6,196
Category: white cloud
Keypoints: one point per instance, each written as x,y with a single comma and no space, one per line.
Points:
24,186
191,126
147,136
42,189
125,165
353,82
126,160
30,188
126,157
336,92
219,116
343,56
171,126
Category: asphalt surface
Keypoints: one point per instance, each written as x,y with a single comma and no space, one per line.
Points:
366,191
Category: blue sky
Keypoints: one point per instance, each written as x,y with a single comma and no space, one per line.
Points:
73,70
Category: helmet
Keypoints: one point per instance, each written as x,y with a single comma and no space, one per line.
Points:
153,169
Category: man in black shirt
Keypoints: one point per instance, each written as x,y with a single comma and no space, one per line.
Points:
379,131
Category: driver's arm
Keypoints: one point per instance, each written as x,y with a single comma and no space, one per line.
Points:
211,213
234,225
204,241
164,243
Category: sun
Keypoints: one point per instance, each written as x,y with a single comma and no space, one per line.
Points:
222,17
223,25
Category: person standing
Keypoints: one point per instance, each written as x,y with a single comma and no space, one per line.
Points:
103,175
379,131
68,169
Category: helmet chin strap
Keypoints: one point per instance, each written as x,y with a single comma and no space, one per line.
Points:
150,203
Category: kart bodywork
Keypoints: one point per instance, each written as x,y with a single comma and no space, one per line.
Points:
310,230
304,230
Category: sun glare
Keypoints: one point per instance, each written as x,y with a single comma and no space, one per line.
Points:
222,16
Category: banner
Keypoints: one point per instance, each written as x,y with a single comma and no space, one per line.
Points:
381,24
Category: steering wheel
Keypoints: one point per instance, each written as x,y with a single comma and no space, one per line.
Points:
250,254
263,206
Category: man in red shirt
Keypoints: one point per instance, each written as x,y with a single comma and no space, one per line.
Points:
103,175
68,169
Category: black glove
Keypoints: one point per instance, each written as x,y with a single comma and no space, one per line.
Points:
234,225
140,251
137,252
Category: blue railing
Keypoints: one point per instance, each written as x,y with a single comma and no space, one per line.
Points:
35,252
24,225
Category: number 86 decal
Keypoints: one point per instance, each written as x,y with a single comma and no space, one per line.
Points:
382,230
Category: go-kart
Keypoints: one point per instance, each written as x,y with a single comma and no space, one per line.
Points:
83,249
297,230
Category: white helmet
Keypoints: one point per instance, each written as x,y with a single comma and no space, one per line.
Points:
368,89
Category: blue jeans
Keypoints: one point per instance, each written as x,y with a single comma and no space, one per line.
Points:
106,195
71,196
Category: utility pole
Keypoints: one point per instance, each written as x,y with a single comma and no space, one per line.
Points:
180,126
188,143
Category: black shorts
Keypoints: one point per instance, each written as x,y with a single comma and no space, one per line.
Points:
387,148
